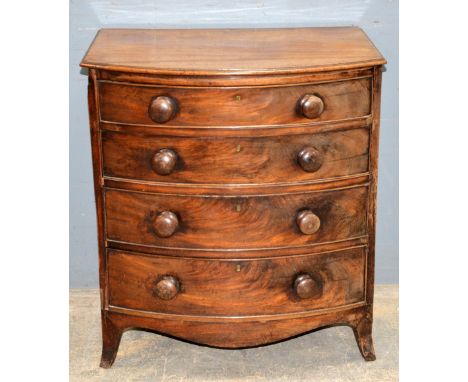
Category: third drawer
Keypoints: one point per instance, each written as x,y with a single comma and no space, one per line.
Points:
244,222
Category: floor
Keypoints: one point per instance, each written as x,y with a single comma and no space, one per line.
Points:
324,355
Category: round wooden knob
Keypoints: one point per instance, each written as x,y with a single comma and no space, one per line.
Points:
167,287
308,222
311,106
165,224
310,159
164,161
306,286
162,109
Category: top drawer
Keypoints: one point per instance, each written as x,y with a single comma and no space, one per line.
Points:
248,106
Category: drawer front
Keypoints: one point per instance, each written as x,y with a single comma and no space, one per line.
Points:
235,287
174,221
130,104
280,159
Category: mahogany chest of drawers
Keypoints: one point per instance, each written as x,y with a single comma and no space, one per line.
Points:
235,180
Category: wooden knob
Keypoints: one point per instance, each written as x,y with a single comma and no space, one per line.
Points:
162,109
308,222
165,224
167,288
310,159
311,106
306,286
164,161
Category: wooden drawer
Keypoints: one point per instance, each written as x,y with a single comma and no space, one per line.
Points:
247,222
282,159
247,106
235,287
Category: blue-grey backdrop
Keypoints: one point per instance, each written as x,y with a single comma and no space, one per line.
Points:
378,18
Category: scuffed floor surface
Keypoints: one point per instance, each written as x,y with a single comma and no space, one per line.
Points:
325,355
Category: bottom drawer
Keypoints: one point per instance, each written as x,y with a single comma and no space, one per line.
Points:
236,287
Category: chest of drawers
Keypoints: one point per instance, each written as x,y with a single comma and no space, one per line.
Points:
235,181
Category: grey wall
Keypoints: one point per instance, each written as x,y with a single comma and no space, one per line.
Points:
379,18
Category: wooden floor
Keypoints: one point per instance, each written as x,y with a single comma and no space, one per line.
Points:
325,355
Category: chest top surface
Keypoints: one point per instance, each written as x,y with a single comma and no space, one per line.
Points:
231,51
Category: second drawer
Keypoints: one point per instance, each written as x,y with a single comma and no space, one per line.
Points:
281,159
209,222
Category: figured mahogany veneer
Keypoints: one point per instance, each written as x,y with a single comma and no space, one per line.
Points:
235,177
208,107
201,160
236,222
222,287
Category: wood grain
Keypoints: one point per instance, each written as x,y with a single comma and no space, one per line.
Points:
126,103
243,253
236,333
237,80
231,51
373,164
209,160
240,131
97,178
236,222
235,287
233,189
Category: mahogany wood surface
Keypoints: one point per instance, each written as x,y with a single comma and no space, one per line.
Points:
373,163
236,222
239,131
267,78
235,177
240,253
98,182
211,160
231,51
235,189
132,104
232,333
236,287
